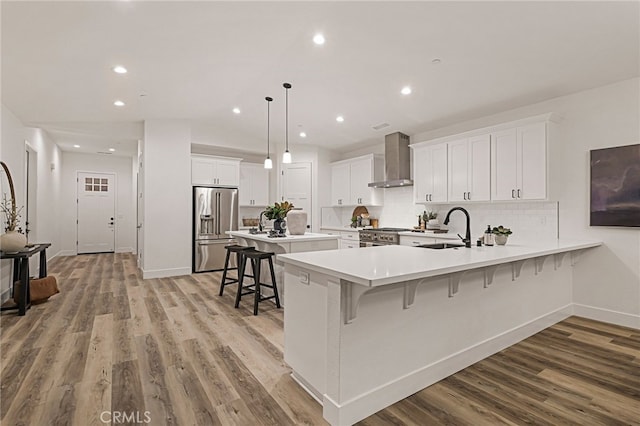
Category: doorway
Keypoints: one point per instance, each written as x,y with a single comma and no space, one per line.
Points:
296,187
96,212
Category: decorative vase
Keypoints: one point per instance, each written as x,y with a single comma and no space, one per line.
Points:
279,226
433,224
297,222
501,239
12,241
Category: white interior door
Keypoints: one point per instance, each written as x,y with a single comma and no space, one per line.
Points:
296,187
96,212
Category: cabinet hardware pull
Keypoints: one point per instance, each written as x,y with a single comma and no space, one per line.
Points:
469,196
513,193
426,197
464,195
430,197
518,193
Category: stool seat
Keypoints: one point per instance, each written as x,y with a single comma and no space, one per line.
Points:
239,251
256,257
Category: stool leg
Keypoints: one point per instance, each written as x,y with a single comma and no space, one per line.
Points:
243,264
224,273
256,273
273,281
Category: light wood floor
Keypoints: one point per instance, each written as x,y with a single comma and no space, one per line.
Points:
111,342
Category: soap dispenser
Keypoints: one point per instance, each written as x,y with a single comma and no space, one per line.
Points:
488,236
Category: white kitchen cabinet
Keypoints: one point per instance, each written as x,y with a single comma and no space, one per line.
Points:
419,239
469,172
348,239
430,173
254,185
519,163
350,180
208,170
340,186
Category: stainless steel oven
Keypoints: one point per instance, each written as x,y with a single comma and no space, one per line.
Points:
380,237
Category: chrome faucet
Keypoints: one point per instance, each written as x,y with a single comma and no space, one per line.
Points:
467,239
260,220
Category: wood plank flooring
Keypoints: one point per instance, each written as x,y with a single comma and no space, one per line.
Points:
172,351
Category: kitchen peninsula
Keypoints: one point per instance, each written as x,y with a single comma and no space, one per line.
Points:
280,245
366,328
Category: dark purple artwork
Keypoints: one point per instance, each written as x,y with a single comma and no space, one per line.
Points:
615,186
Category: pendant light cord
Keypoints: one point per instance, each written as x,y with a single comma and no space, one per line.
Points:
268,99
287,86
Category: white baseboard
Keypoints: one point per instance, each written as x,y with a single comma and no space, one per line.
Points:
163,273
606,315
67,253
125,250
366,404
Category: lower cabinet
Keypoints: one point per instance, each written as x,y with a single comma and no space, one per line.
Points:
416,240
348,239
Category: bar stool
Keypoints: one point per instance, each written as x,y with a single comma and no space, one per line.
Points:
238,250
256,257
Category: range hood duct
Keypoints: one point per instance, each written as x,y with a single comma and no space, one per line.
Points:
397,162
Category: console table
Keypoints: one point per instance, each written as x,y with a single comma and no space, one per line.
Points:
21,272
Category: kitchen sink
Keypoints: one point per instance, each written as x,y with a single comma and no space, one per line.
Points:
440,246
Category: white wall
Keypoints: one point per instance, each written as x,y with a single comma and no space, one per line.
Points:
12,152
72,163
167,200
607,280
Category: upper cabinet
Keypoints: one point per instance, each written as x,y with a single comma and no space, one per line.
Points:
254,185
209,170
518,163
469,169
430,173
350,180
500,163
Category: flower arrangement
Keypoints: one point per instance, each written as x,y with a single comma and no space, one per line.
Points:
278,210
500,230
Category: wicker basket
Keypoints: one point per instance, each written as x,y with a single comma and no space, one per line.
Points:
249,222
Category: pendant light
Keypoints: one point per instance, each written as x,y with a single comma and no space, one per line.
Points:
268,164
286,157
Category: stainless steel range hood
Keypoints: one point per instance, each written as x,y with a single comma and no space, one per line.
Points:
397,162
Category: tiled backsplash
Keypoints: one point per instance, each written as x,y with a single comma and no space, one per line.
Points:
532,220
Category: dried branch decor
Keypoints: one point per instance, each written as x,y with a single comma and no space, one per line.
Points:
9,207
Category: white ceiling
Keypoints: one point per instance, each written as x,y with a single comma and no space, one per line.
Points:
198,60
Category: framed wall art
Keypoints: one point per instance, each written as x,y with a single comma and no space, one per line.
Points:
615,186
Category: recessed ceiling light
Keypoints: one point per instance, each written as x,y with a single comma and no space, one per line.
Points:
119,69
339,119
236,110
406,90
436,60
318,39
112,149
76,146
118,103
303,135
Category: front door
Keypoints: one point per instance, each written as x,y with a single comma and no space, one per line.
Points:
296,187
96,212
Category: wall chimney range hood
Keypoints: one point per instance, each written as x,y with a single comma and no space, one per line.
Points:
397,163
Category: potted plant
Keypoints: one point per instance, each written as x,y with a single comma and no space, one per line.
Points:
431,221
277,213
502,234
12,240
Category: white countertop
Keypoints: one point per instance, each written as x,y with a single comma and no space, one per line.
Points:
343,228
375,266
430,234
288,239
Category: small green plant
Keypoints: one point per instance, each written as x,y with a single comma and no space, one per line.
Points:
278,210
500,230
432,215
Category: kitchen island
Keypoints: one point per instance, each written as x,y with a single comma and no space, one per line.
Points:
289,244
366,328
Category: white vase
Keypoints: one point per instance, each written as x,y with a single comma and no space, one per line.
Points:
12,241
297,222
501,239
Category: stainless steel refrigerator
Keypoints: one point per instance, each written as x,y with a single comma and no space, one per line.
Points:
215,211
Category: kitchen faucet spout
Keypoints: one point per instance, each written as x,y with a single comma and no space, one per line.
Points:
260,220
467,239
